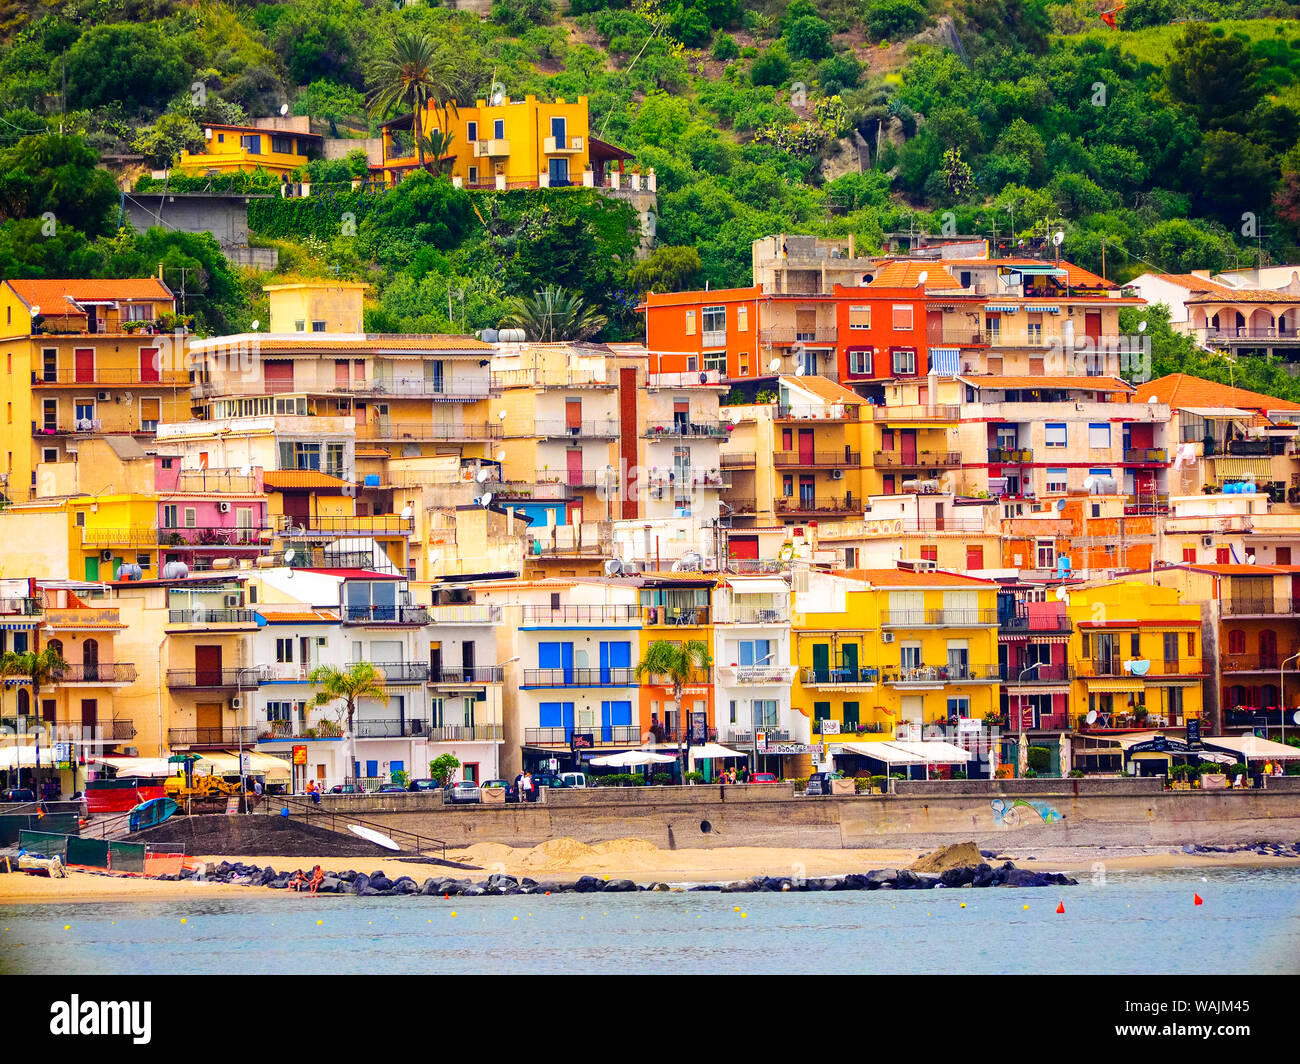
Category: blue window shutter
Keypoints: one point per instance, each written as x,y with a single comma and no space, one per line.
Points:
620,712
747,652
548,655
548,714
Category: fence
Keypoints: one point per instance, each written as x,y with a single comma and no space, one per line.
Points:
89,853
309,813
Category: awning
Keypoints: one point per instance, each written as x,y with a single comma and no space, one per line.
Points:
225,763
759,585
1216,411
1043,310
936,751
1226,466
945,361
1038,270
1210,755
1253,748
899,751
25,756
630,758
713,750
881,751
1001,308
152,767
1113,686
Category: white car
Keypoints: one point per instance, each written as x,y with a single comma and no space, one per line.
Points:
574,779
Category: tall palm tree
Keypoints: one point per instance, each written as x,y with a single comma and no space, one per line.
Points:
350,685
678,662
555,314
415,72
38,667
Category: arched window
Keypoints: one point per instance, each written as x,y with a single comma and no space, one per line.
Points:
1268,649
90,659
56,645
1268,695
24,702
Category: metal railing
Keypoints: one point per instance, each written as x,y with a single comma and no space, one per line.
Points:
475,675
559,427
611,677
532,378
97,672
833,412
1103,667
736,460
1146,456
816,458
1011,455
829,676
1251,662
466,733
385,614
21,606
376,524
210,617
310,813
232,536
741,506
389,729
469,613
579,615
1237,606
684,430
918,460
654,616
418,387
944,412
601,735
245,677
176,379
402,671
1045,624
447,431
941,674
948,618
211,736
1043,672
827,504
740,614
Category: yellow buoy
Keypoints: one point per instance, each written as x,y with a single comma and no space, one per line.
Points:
963,905
453,912
319,922
182,919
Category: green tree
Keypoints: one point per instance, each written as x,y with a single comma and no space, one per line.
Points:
39,668
331,102
1216,78
442,767
725,47
348,686
809,37
554,314
132,64
518,16
414,72
667,269
59,175
888,20
771,67
679,663
162,143
422,212
318,43
957,177
1236,175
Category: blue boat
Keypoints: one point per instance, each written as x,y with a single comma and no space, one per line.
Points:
147,814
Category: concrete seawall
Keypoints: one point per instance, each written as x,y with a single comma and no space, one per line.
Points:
1005,814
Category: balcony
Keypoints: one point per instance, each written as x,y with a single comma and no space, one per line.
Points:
213,618
839,677
124,377
417,388
390,729
822,334
1091,668
828,504
1262,606
757,675
1253,448
1043,672
120,730
561,380
467,614
561,145
409,615
739,506
368,526
560,428
916,413
929,674
815,459
1148,505
466,733
424,431
1040,624
743,460
742,614
674,616
250,537
581,616
475,675
1146,456
708,378
837,412
1256,717
211,736
966,338
20,606
601,735
717,430
101,673
745,737
959,618
1251,662
576,478
919,460
1010,455
213,679
611,677
491,149
402,672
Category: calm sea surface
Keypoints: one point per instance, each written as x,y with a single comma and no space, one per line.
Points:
1134,922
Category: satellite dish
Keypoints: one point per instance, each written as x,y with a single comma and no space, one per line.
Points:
1152,399
922,277
487,498
1057,237
613,567
482,476
1060,504
798,371
501,456
284,109
501,415
1092,716
1062,595
774,365
1250,559
288,557
1296,717
35,311
256,324
408,512
1142,326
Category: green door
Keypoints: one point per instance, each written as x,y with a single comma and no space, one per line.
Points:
849,653
822,662
851,721
92,568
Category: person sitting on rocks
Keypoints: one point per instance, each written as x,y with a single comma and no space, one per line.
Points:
317,878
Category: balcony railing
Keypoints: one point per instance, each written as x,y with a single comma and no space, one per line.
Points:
1011,455
20,606
577,616
654,616
760,675
211,617
745,737
466,733
1116,666
397,672
835,412
1264,606
736,460
740,506
562,379
212,537
684,430
742,614
1248,333
478,674
945,618
918,460
1043,672
1045,624
417,387
1252,662
601,735
111,377
916,413
611,677
559,427
839,676
577,478
470,613
213,678
390,729
941,674
211,736
373,525
101,672
120,730
1146,456
385,615
786,459
788,334
415,430
829,504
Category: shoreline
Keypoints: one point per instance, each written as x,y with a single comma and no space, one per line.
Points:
634,859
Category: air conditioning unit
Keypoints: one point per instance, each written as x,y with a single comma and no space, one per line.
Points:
837,474
230,602
886,637
1207,541
105,555
223,507
236,702
104,397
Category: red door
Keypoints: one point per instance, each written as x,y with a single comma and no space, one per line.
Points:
908,440
743,546
278,375
807,455
573,417
84,360
974,557
934,328
149,369
573,461
207,666
1092,326
342,380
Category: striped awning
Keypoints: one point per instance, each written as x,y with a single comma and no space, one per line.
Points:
20,626
945,361
1043,310
1228,467
1001,308
1114,686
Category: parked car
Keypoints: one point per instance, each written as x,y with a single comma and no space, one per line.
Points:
763,777
512,795
574,779
818,783
18,794
462,792
423,785
347,788
392,788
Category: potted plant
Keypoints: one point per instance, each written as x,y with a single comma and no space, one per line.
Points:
1140,715
1212,777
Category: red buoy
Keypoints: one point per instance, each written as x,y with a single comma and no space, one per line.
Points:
1060,907
1197,900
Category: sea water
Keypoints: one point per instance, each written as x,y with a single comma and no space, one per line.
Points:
1117,922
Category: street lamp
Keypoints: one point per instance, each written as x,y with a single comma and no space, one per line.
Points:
1281,691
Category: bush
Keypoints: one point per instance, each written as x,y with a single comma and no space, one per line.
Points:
620,779
770,68
1076,773
663,778
809,37
694,777
1039,758
725,47
891,19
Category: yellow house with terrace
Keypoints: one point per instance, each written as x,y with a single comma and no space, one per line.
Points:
227,149
881,653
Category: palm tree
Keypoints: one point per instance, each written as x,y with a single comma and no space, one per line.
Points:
415,72
555,314
677,661
361,680
438,144
38,667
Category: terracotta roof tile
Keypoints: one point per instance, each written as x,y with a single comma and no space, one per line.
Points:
1089,384
907,274
1247,295
278,480
49,294
1182,390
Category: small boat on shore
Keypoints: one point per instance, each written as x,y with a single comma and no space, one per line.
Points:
150,813
35,864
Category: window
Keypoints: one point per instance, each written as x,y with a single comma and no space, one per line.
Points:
191,517
317,326
284,650
958,707
716,362
558,132
251,143
473,174
300,325
471,131
742,319
499,129
1171,646
50,364
690,323
150,414
860,317
902,317
1135,644
929,554
905,363
1055,434
334,459
1058,480
713,321
84,409
283,145
1045,554
1099,435
142,560
169,516
1191,644
742,365
279,711
1034,329
860,361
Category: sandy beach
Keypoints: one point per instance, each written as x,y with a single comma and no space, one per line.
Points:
635,859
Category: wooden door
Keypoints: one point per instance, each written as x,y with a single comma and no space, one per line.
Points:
90,713
573,417
1092,325
807,451
573,466
207,720
150,371
207,665
84,362
908,440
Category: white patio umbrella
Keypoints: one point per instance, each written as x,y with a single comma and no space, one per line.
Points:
630,758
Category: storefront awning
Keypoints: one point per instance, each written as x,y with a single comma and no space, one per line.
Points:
1114,686
225,763
1001,308
899,751
936,751
1253,748
881,751
151,767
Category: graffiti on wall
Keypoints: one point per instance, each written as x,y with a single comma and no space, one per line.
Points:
1010,815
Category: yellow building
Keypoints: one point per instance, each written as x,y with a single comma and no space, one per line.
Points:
1136,651
880,650
228,149
511,144
83,358
912,437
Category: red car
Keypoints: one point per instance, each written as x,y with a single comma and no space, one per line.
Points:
762,777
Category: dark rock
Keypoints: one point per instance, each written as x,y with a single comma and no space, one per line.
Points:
588,885
1023,877
740,886
854,881
406,885
381,882
278,883
473,892
957,877
368,891
329,885
987,853
927,882
704,886
619,886
430,886
550,888
660,887
499,879
907,880
881,876
526,882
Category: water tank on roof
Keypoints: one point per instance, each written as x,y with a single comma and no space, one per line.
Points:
175,571
1100,485
130,571
488,336
512,336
